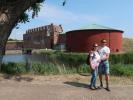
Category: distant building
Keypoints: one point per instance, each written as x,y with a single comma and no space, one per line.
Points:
48,36
81,40
14,45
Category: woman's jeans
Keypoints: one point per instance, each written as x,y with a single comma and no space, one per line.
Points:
93,78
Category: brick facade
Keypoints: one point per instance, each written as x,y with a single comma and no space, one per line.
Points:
14,45
43,37
51,37
82,40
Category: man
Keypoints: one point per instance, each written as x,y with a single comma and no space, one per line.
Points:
103,68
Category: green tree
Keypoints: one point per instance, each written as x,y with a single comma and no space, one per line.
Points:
13,12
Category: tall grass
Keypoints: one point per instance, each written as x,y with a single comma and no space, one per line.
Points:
72,59
54,69
43,69
76,59
68,63
121,70
125,58
13,68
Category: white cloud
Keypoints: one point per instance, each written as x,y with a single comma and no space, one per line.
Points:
55,14
17,34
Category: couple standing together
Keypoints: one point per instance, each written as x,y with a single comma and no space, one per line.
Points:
98,60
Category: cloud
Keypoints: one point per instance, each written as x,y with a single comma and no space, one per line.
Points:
17,34
59,14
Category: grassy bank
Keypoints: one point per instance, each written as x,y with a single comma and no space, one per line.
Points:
58,69
75,59
69,63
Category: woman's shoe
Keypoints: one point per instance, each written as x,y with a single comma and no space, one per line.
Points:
95,87
92,88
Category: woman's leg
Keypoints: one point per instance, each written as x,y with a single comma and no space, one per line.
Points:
91,82
92,79
95,77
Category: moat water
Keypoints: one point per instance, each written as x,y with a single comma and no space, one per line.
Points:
23,58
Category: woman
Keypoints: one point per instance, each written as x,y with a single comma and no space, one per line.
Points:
94,61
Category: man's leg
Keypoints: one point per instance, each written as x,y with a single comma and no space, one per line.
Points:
107,82
100,70
107,76
100,78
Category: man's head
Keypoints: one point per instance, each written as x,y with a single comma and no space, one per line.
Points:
103,42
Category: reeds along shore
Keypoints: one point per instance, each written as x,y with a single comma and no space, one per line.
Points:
70,63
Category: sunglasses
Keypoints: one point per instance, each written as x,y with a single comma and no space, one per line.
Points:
95,46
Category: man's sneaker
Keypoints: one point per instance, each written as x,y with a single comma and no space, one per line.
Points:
108,89
100,87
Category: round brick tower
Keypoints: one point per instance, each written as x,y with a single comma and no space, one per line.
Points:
81,40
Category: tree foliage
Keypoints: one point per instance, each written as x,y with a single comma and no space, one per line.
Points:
35,8
13,12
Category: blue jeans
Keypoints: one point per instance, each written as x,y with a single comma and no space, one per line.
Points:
93,78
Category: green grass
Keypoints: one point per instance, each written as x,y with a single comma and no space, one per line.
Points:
43,68
69,63
125,58
76,59
121,70
58,69
13,68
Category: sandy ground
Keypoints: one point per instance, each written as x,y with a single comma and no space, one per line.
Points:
13,52
61,87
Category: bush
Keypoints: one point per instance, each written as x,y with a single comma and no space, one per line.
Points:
75,59
71,59
13,68
121,70
125,58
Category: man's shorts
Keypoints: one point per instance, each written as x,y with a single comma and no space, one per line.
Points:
103,67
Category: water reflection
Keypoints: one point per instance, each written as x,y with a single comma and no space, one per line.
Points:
24,58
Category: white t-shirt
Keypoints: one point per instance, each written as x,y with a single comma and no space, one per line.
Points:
94,59
103,51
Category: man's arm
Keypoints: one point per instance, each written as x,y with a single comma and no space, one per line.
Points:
106,57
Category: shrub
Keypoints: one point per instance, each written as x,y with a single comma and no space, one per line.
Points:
121,70
13,68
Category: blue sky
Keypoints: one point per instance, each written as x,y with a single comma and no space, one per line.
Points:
79,13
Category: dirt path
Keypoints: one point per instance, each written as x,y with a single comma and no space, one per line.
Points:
59,88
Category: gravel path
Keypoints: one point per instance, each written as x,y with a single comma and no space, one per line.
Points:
46,88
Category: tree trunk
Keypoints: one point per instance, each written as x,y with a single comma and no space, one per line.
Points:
10,12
